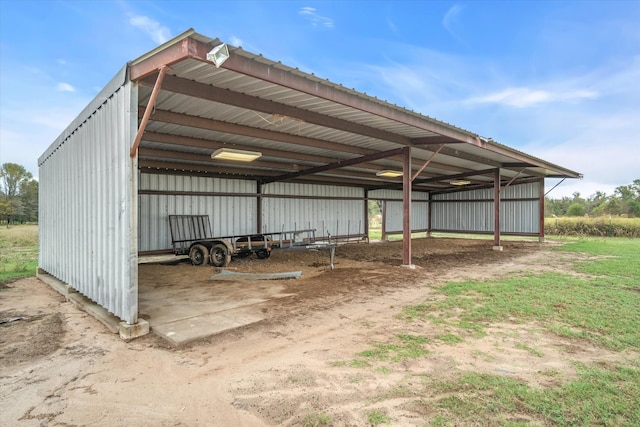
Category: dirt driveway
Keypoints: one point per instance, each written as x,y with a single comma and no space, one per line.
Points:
59,366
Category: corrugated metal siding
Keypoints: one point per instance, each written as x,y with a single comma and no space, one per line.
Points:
86,214
323,212
228,215
516,216
393,211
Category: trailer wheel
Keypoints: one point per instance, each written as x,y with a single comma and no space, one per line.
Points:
220,256
263,254
199,255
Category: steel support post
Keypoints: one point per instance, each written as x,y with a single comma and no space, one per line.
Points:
406,208
496,210
541,205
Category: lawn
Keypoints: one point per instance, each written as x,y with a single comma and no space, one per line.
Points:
597,304
18,252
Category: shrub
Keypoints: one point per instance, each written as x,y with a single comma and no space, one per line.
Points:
596,227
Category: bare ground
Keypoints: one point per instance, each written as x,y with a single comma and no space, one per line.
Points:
59,366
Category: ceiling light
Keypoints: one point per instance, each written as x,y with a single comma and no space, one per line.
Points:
460,182
238,155
389,173
218,54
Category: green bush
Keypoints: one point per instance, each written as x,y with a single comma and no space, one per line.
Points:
596,227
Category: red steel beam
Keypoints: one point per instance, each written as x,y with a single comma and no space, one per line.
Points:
406,207
413,178
496,208
149,109
541,210
224,96
186,48
286,78
339,164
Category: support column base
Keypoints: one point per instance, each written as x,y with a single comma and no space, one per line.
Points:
129,332
498,248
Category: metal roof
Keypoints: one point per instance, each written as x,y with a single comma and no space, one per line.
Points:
301,124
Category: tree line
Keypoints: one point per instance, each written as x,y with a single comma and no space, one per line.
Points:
18,195
625,201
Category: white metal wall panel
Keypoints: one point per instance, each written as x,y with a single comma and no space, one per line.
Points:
228,215
87,217
518,214
321,211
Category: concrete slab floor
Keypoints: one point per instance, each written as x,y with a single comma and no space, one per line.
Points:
181,311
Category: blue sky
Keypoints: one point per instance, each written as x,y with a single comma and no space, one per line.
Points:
558,80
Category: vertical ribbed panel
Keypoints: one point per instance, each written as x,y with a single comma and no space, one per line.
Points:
322,212
516,216
393,218
228,215
86,216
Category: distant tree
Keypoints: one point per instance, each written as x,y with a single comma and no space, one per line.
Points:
557,207
11,177
29,199
374,207
576,209
630,195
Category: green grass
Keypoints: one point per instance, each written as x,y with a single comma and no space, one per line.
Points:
377,417
18,252
406,347
600,305
598,397
449,338
316,419
603,308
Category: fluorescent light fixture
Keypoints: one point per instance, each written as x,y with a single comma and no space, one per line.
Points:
460,182
389,173
218,54
238,155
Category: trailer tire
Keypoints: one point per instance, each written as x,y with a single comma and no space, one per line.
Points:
220,256
199,255
263,253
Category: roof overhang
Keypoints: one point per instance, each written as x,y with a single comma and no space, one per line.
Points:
307,129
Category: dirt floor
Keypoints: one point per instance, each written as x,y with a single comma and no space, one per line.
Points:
59,366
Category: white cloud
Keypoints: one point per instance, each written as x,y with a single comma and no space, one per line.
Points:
450,20
316,20
65,87
157,32
236,41
525,97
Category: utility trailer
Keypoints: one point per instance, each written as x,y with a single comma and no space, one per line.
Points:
191,235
